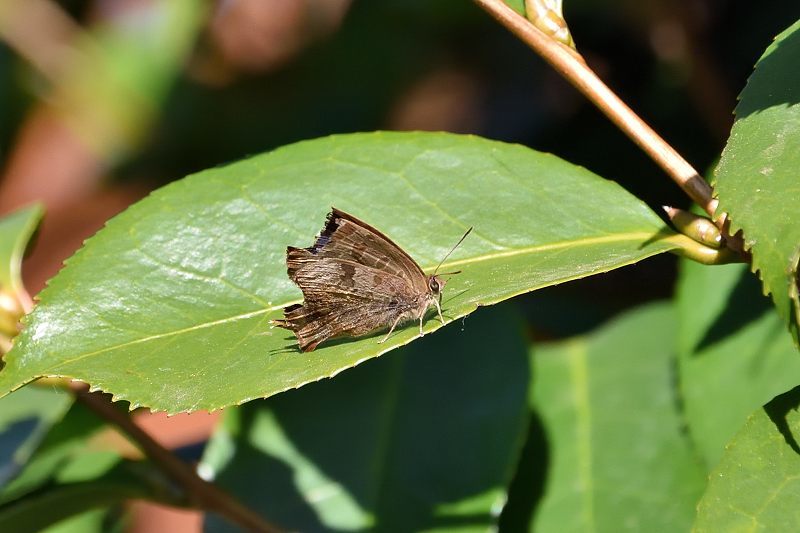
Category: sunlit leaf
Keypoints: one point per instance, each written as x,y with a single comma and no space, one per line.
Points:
734,354
757,176
756,486
169,305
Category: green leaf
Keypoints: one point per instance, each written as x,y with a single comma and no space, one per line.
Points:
16,230
516,5
733,353
756,486
757,176
25,417
425,440
95,520
169,305
615,457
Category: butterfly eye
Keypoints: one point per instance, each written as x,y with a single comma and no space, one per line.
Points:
434,285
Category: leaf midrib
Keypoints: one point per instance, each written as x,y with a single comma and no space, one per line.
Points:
632,236
149,338
617,237
579,375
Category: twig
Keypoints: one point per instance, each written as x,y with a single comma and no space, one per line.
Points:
570,65
202,493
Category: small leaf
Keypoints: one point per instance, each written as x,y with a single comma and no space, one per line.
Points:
756,179
733,353
548,16
65,440
25,418
60,442
516,5
169,305
425,440
616,457
68,476
16,230
756,486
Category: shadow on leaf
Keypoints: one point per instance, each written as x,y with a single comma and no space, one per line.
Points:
778,411
424,437
768,86
745,304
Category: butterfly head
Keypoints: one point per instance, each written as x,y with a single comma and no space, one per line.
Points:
436,283
435,286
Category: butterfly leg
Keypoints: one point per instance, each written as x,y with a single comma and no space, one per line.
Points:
438,308
391,329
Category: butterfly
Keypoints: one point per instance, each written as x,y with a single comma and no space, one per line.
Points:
355,280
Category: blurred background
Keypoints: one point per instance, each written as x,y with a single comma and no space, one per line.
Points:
101,101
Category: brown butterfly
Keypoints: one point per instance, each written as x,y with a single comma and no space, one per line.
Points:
355,280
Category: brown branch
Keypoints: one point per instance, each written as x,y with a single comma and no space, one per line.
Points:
571,65
205,495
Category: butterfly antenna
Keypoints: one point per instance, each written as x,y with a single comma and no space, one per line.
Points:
453,249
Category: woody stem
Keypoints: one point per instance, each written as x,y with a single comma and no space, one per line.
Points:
200,492
571,66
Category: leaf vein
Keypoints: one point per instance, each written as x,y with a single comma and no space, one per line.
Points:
404,178
157,336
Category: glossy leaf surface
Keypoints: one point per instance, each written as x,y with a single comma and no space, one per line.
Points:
169,305
756,486
757,176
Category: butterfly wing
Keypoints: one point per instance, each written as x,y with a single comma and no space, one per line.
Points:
342,298
354,280
346,237
313,326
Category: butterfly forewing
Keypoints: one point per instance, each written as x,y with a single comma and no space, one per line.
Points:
345,279
346,237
